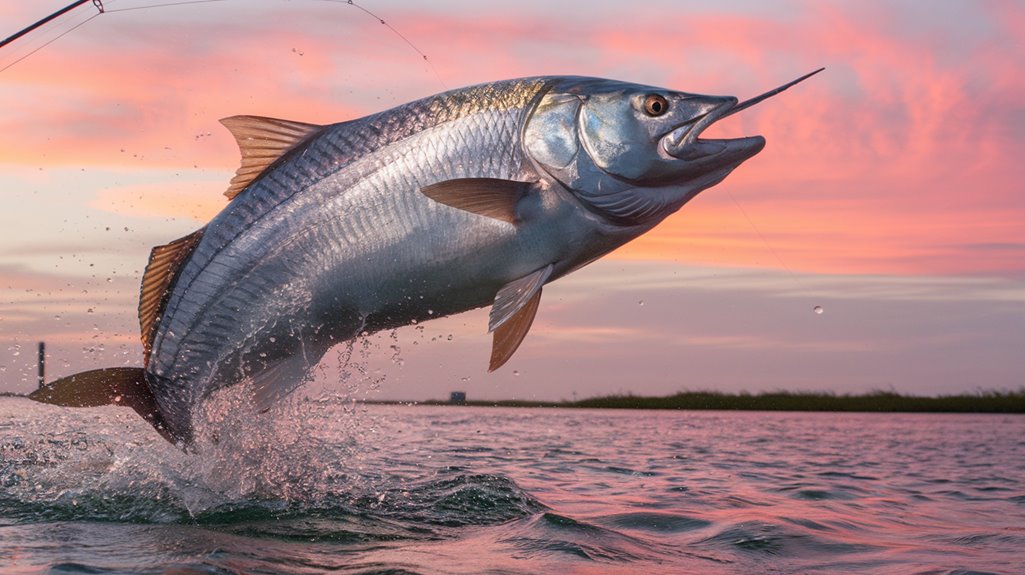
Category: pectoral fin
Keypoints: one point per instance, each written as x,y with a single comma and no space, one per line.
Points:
491,197
513,313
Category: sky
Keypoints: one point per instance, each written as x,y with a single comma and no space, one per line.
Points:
889,194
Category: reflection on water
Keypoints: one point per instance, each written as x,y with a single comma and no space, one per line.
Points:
336,486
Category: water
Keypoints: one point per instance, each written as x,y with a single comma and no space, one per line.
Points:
332,486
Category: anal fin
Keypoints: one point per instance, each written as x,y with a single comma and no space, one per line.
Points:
513,313
164,263
276,380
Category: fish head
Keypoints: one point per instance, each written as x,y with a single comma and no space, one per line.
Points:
629,152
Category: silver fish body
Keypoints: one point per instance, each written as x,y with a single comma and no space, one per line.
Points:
469,198
338,240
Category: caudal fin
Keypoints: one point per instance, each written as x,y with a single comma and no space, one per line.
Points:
109,386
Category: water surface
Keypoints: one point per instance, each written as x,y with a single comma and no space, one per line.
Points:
335,487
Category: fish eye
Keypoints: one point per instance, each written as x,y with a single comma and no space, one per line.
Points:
655,105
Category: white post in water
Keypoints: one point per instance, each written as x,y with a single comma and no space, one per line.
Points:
42,363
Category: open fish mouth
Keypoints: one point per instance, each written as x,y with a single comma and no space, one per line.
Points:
684,143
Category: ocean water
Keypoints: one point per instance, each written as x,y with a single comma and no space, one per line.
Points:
333,486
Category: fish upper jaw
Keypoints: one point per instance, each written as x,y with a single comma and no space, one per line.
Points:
683,142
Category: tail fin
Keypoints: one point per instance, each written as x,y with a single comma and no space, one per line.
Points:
110,386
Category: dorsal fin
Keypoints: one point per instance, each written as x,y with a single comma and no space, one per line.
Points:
164,262
262,141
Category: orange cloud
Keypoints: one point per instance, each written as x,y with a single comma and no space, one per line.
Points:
198,201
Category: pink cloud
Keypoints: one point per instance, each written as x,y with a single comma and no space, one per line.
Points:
901,158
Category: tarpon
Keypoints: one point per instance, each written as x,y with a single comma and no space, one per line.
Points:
473,197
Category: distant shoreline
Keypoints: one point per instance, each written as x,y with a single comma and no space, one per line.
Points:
1009,402
881,402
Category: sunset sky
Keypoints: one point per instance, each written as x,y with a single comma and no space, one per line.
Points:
890,192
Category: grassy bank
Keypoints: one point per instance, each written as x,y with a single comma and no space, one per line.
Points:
880,401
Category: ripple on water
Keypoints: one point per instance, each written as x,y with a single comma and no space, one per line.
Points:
655,522
551,534
760,537
848,475
752,536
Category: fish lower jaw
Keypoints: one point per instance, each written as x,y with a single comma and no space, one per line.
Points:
708,154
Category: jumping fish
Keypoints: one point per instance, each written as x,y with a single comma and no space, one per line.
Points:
473,197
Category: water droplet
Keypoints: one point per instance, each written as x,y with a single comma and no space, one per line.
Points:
430,312
516,373
640,302
819,310
117,399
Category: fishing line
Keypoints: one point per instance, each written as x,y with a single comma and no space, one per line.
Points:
397,33
817,309
103,10
51,41
164,5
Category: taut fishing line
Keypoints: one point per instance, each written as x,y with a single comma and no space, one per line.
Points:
818,309
48,42
101,9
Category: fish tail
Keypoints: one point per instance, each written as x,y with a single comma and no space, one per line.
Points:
125,386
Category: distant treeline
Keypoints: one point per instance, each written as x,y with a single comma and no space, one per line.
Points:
881,401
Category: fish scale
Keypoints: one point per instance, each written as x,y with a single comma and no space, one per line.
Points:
402,220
